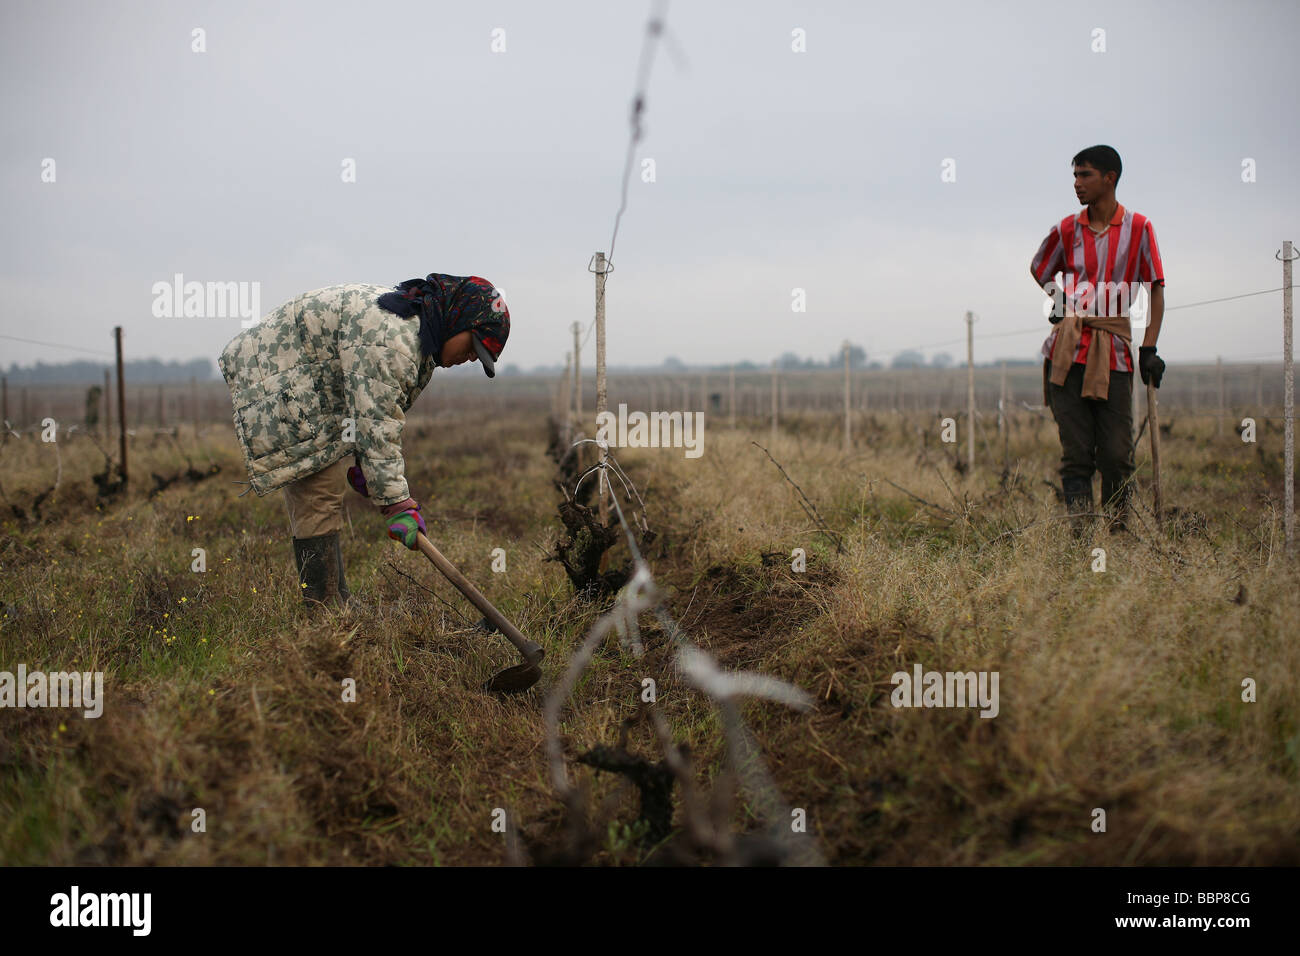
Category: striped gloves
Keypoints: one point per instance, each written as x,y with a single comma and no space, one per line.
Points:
404,522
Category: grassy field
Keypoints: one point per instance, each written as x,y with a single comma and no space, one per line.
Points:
1120,689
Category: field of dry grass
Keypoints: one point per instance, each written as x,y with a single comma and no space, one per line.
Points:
1119,689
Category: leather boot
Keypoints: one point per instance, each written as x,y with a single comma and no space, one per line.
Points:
1078,503
320,569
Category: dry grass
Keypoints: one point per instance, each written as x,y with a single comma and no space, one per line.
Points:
1119,690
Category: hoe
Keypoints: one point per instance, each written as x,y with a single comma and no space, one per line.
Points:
512,680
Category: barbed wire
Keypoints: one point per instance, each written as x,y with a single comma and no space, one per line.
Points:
1038,329
1226,298
58,345
656,28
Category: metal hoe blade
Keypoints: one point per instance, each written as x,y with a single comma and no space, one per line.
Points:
514,680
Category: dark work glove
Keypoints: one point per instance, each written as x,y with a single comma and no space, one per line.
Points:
357,479
1150,365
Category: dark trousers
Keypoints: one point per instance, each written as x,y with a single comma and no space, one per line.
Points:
1095,436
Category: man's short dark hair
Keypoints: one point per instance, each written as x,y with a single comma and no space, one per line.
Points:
1104,159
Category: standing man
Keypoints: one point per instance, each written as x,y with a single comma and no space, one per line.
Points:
1105,253
327,379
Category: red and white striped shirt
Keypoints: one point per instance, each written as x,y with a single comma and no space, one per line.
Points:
1125,254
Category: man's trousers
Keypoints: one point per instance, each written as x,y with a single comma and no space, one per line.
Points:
1095,436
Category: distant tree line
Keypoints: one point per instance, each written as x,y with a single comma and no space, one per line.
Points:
137,372
792,362
909,358
157,372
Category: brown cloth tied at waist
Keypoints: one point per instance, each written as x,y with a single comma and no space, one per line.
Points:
1096,371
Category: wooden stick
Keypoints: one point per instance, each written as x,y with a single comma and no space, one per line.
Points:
1154,418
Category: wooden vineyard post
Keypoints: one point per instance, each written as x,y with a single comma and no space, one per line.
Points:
970,392
775,401
121,405
601,396
577,376
1288,407
732,394
848,428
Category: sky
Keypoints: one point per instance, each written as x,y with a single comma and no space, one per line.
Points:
489,139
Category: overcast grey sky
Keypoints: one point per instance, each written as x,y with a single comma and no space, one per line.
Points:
775,170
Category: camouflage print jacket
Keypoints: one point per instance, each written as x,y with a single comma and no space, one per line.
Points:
320,359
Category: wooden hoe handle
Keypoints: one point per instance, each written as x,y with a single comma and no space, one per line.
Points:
531,650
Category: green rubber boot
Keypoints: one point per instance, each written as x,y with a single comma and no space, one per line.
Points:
320,569
345,595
